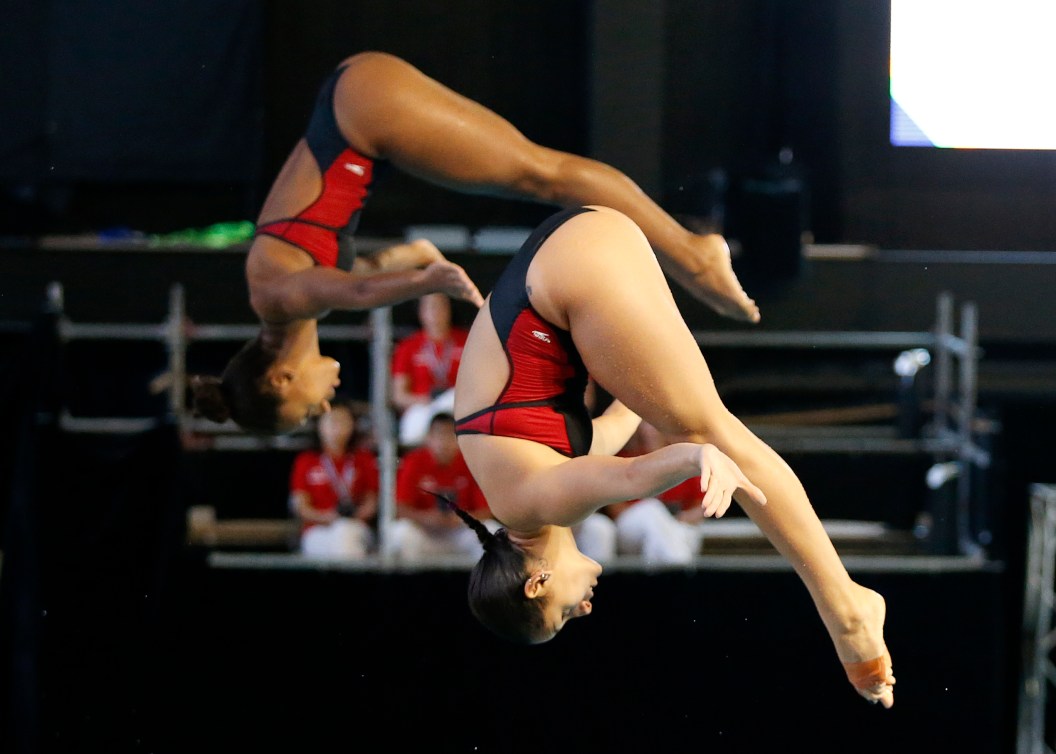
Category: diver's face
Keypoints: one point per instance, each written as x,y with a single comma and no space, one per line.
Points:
569,578
306,391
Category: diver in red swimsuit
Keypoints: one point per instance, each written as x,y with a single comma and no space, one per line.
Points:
542,400
374,110
326,227
585,295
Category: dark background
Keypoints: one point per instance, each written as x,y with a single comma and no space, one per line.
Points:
180,113
167,115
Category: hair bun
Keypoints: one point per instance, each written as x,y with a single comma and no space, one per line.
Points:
209,399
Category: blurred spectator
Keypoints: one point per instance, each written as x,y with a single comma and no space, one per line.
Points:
423,527
334,491
596,537
424,366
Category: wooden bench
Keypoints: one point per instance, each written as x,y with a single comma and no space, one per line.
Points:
204,529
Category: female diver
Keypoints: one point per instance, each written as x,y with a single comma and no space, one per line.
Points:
583,297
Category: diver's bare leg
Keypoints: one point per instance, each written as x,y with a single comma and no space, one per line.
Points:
387,108
637,346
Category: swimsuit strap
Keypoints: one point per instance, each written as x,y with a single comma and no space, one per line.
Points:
286,220
346,241
495,409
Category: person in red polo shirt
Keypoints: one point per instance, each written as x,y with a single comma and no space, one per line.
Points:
424,366
423,527
334,491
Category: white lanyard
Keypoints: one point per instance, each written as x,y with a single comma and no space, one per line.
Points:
341,483
439,366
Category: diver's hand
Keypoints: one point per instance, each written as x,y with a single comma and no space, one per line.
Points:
720,477
447,277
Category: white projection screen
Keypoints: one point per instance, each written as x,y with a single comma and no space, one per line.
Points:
973,74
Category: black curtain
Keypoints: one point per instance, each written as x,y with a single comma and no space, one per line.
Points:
117,90
92,531
115,113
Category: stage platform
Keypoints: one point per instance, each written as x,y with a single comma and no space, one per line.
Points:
135,640
726,655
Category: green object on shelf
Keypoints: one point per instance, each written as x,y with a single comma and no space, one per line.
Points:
215,236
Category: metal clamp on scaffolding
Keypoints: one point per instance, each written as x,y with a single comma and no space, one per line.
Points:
950,437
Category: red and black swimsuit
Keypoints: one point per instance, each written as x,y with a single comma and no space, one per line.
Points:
325,228
543,397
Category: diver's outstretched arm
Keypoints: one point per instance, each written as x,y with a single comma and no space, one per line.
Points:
402,256
312,292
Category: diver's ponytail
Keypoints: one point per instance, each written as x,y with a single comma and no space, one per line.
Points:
496,584
487,539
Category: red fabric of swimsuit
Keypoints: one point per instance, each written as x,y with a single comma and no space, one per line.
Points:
346,184
540,371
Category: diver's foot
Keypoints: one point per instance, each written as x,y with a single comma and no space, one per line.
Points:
713,280
873,679
723,293
861,648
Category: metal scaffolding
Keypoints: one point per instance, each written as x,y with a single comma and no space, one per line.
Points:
177,333
949,437
1034,733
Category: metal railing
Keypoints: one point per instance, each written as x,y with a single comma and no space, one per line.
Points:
177,333
950,437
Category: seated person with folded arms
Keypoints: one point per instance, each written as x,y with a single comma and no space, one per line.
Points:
334,491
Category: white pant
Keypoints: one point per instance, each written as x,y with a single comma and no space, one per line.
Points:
408,542
596,537
414,422
345,538
647,528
